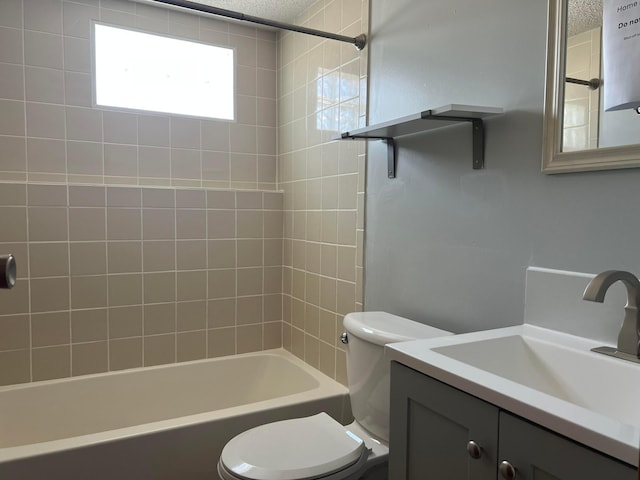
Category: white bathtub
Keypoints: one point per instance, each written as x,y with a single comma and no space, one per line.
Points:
160,423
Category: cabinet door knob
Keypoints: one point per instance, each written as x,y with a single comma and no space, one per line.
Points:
507,471
474,450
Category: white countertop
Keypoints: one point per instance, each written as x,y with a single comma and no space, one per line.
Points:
619,438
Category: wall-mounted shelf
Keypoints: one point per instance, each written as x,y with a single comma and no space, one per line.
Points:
424,121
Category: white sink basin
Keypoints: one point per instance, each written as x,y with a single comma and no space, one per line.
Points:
591,380
549,377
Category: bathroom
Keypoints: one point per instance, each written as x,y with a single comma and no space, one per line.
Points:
90,301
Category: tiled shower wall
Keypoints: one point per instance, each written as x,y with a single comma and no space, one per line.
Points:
122,277
50,133
127,255
322,91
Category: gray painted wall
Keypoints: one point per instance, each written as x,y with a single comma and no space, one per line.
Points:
448,245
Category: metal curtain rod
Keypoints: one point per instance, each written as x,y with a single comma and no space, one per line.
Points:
360,41
593,84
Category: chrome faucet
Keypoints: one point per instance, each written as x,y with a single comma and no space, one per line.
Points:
628,338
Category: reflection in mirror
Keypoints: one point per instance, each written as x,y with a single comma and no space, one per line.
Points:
579,133
586,124
582,71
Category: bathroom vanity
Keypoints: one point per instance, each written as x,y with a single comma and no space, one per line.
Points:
519,402
438,431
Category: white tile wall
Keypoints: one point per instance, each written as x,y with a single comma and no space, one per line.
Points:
322,91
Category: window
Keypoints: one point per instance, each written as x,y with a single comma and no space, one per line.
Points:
141,71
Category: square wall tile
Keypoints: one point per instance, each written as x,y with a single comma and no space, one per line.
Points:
159,349
14,332
77,55
51,362
14,158
192,285
89,292
124,257
42,49
120,127
45,121
16,300
192,316
158,224
89,325
154,130
124,224
15,367
221,313
43,16
14,221
11,14
44,85
160,287
77,19
84,124
89,358
125,289
87,224
221,342
249,338
48,260
125,322
159,319
11,81
191,254
12,119
125,353
191,346
49,294
249,310
159,256
46,156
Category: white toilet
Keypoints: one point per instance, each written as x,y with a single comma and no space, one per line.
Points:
318,447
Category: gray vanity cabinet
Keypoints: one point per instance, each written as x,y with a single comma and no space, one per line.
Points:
440,433
539,454
431,425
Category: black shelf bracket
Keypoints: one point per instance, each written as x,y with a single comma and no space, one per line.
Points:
477,132
422,122
391,150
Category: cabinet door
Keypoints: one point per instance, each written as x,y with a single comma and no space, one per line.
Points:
538,454
431,426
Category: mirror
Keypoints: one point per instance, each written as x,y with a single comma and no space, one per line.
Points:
579,134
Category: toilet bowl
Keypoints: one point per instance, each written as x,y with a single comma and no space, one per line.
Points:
319,447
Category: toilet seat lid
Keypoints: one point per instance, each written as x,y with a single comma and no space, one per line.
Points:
302,448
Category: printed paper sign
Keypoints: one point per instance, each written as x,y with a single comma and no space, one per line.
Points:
621,54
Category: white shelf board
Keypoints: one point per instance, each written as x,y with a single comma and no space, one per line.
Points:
421,122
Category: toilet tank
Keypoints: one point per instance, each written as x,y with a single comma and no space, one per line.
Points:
367,367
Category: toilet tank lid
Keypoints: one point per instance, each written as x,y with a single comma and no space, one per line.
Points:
381,328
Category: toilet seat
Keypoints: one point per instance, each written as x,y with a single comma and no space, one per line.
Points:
299,449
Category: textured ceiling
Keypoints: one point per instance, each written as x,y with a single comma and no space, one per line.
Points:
584,15
280,10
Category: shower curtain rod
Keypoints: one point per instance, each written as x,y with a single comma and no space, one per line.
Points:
593,84
360,41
